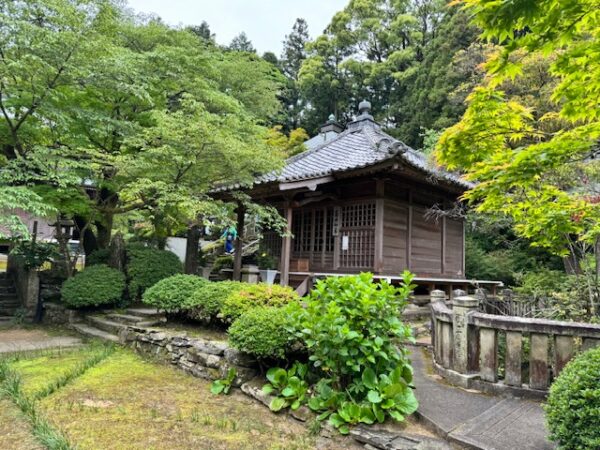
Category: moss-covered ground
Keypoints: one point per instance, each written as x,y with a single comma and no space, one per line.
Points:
126,402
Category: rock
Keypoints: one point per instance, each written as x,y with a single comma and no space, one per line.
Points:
180,341
213,361
185,365
328,430
212,347
238,358
197,356
157,336
243,374
385,440
253,388
206,373
303,414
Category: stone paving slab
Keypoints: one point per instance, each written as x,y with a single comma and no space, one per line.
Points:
477,420
442,405
511,424
20,340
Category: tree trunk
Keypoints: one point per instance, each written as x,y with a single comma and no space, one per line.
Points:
117,253
90,244
192,248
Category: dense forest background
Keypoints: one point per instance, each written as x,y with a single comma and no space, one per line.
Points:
153,116
416,61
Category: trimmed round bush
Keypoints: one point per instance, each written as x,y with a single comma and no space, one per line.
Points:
254,295
94,286
147,266
262,332
206,302
173,293
100,256
573,408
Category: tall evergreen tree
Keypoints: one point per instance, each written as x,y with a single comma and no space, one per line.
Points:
241,43
292,57
202,31
408,57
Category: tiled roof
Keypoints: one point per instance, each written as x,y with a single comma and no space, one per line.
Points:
362,144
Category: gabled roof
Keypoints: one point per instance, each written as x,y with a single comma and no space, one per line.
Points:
360,145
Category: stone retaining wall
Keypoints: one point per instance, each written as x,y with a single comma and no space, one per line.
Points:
57,314
203,358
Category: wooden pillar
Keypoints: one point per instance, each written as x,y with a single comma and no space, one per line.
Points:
286,248
379,217
409,232
237,259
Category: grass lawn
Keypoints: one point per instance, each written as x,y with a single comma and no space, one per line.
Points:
118,400
15,431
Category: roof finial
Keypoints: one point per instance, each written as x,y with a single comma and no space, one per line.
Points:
331,118
364,107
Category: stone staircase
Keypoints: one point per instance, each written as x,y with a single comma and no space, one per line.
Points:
9,301
107,324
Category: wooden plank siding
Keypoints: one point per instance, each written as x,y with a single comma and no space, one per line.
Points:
395,232
426,251
385,226
454,253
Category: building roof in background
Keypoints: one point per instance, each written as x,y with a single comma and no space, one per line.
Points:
360,145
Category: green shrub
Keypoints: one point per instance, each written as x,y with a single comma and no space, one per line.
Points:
206,301
173,293
146,266
541,283
94,286
222,262
253,295
100,256
262,332
573,408
354,337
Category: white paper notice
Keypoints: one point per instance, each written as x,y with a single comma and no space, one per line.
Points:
345,243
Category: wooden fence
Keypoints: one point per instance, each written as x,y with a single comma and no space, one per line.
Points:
477,349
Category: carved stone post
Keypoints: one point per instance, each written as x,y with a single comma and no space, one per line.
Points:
461,307
436,326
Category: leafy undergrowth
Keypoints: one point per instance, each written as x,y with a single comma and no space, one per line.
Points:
125,402
15,431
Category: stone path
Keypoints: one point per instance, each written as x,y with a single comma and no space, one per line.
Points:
20,340
476,420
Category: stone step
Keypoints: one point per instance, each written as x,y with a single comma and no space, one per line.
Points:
8,311
5,320
10,302
125,318
104,324
146,313
7,296
95,332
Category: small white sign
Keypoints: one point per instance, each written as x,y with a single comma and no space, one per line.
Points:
345,243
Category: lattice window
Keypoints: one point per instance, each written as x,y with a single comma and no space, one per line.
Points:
272,242
358,215
358,235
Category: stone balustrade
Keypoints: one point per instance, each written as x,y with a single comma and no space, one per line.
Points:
467,351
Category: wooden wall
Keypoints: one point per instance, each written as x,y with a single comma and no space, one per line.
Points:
395,229
412,241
